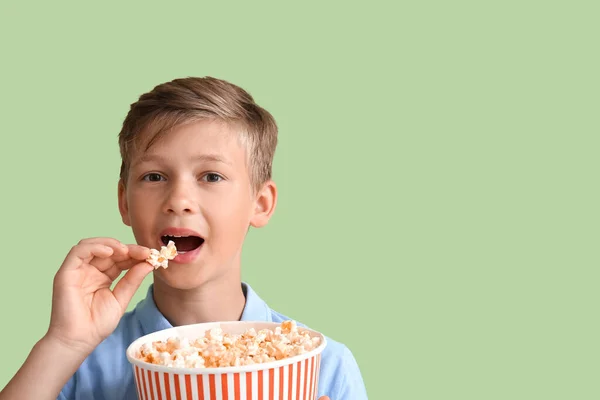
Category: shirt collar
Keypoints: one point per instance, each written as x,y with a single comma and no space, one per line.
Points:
152,320
255,308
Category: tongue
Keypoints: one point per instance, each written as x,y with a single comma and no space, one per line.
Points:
186,243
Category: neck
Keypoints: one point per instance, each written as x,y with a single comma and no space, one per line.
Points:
221,300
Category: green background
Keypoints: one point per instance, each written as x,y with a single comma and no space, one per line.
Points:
437,169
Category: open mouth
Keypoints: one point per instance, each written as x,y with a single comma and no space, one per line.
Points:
183,243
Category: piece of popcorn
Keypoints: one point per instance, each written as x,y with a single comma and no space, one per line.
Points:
288,326
161,258
215,335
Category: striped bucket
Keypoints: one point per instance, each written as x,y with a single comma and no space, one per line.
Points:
294,378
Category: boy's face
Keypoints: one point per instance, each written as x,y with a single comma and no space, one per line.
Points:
195,183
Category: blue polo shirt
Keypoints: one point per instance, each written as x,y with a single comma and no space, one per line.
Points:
107,375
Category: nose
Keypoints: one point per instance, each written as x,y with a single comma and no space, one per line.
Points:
180,199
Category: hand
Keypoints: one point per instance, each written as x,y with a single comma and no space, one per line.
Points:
324,398
84,309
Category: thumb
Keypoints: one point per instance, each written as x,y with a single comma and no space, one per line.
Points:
130,283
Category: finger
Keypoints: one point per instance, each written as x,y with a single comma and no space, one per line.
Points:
138,252
117,268
135,255
126,264
130,283
103,264
83,253
124,257
119,253
110,242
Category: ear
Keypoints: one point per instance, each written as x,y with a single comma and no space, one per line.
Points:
123,206
264,205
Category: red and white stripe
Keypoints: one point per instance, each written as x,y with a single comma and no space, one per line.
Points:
298,381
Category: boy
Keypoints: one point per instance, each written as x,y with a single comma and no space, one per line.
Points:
196,169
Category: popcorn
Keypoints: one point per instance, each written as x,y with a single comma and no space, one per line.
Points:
218,349
161,259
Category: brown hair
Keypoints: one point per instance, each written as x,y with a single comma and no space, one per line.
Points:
190,99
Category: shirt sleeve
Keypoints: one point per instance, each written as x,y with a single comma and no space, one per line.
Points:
351,385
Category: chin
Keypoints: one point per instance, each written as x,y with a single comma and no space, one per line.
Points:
181,278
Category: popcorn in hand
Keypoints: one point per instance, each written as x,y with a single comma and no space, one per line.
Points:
161,258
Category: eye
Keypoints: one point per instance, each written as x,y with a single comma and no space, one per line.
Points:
153,177
212,177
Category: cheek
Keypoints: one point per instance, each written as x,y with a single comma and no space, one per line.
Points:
139,210
229,223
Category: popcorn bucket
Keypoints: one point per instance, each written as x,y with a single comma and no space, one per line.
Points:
292,378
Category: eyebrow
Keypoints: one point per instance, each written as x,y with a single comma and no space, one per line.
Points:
202,158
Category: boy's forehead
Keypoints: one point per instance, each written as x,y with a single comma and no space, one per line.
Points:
207,139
